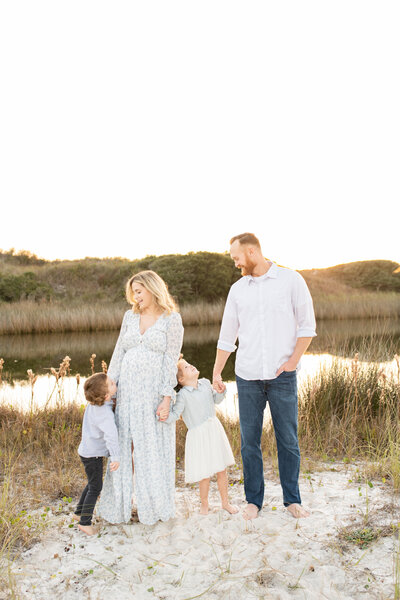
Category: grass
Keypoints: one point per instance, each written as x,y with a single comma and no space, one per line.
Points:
52,317
350,411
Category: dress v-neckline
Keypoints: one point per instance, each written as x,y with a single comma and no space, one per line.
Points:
150,326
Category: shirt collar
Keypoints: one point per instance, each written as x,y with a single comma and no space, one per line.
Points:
191,388
272,273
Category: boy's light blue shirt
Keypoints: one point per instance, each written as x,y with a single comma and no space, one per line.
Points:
196,405
99,432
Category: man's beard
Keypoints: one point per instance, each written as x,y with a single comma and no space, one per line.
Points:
248,267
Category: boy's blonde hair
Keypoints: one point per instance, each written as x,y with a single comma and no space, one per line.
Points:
156,286
96,389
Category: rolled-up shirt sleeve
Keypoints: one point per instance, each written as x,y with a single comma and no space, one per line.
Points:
303,309
229,326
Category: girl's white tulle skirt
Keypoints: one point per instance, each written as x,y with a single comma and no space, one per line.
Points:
207,451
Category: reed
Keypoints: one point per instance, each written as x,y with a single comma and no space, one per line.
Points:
202,313
51,317
357,305
38,465
31,317
351,410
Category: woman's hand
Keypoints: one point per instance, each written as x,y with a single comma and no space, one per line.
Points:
163,408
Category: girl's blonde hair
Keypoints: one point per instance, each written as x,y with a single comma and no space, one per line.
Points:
156,286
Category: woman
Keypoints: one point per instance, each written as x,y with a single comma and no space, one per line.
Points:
144,367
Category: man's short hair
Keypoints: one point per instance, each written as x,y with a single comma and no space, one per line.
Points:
246,238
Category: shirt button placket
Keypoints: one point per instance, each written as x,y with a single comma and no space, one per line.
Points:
262,325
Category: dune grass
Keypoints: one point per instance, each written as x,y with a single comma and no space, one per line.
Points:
52,317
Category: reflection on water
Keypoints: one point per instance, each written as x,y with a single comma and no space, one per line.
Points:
46,391
374,340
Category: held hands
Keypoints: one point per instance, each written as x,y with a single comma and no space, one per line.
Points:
114,466
163,408
218,384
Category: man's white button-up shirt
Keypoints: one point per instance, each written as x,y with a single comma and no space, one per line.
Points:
267,314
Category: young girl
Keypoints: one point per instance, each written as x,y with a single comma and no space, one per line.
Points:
207,449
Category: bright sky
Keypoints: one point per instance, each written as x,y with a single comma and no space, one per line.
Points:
130,128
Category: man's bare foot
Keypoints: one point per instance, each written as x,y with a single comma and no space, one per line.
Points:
204,509
232,510
297,511
76,517
250,512
88,529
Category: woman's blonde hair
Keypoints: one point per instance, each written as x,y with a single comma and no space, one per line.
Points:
156,286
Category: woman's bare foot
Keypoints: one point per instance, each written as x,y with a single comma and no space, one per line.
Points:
232,510
88,529
297,511
204,508
250,512
76,517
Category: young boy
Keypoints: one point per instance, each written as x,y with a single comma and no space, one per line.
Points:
99,438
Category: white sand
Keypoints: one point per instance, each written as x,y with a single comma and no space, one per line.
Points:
222,556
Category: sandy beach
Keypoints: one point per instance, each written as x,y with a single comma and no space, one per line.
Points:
224,557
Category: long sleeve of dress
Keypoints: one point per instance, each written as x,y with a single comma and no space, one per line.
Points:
176,409
114,367
174,344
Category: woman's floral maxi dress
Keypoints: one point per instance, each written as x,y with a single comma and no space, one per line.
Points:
144,366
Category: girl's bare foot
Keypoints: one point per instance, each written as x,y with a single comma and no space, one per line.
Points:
76,517
232,510
88,529
250,512
204,508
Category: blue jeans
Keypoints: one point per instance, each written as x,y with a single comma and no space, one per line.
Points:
281,393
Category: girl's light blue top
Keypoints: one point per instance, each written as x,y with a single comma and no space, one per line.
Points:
99,432
196,405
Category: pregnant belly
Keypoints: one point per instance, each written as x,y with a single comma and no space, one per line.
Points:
142,364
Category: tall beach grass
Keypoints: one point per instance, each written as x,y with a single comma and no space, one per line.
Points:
46,317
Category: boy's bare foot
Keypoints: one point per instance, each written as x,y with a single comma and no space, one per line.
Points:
204,509
250,512
232,510
76,517
88,529
297,511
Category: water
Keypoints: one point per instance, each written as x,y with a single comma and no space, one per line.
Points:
374,340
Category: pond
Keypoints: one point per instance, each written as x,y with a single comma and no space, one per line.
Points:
374,341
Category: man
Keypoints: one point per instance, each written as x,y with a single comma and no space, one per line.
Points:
271,311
